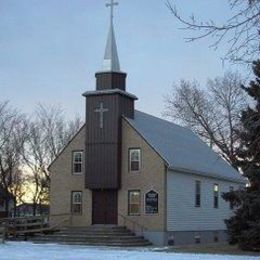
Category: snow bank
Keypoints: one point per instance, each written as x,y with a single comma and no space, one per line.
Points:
27,250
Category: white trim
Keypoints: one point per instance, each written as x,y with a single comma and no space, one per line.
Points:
129,199
74,162
208,175
139,160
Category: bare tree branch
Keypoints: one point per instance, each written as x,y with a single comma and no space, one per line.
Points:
13,135
49,132
212,113
241,31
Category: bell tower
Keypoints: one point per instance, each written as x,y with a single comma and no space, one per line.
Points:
104,110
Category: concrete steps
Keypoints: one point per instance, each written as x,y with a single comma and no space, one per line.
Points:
94,236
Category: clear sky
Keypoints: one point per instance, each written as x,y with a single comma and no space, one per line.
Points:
51,49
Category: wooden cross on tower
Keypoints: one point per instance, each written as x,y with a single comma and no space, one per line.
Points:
101,110
111,5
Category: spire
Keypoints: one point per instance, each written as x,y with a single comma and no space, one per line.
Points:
111,61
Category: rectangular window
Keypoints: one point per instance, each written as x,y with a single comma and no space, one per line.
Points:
76,202
216,238
231,204
197,239
77,162
197,193
134,159
134,202
216,191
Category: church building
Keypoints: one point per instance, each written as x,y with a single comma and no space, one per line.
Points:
128,168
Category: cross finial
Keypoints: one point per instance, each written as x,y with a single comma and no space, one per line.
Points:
111,5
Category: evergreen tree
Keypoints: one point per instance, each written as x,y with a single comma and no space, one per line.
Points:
244,226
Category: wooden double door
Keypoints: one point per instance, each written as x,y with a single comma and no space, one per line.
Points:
104,207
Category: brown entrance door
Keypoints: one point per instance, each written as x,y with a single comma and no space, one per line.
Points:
104,207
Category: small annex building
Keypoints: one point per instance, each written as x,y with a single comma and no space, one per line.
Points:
126,167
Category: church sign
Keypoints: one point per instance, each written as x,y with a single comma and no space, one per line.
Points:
151,202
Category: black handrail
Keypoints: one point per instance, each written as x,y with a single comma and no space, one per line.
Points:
134,223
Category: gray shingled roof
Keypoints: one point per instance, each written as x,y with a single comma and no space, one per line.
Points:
181,149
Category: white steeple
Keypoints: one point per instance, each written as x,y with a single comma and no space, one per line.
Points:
111,61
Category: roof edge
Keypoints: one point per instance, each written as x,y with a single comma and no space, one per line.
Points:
109,92
129,123
62,150
207,174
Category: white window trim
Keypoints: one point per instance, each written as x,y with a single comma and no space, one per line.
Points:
73,162
129,199
139,161
74,194
73,202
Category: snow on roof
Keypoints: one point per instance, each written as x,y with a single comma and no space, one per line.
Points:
181,149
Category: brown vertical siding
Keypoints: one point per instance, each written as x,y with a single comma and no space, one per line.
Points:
103,145
110,80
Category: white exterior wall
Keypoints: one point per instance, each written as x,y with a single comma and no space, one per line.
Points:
182,215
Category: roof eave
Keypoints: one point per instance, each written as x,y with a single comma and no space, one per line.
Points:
159,154
240,180
62,150
109,92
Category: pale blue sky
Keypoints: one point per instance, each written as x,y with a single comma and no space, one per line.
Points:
51,49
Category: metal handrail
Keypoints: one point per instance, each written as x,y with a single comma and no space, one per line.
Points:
59,214
134,223
68,217
59,223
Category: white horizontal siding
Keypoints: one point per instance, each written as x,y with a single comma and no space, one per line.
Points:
182,215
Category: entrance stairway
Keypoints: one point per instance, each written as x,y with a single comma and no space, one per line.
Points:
94,236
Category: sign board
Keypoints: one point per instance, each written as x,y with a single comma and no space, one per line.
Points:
151,202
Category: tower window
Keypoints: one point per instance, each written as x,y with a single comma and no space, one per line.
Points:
76,202
134,159
77,162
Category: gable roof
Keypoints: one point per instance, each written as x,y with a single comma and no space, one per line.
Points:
181,149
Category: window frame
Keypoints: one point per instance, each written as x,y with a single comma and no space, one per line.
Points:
231,204
130,150
216,196
216,236
73,162
197,193
73,203
129,205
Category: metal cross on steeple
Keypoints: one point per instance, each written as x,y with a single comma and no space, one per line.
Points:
111,5
111,61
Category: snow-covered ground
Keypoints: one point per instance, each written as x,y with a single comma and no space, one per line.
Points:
27,250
